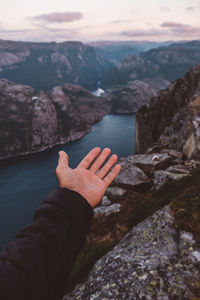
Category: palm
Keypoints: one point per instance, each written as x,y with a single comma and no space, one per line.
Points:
90,183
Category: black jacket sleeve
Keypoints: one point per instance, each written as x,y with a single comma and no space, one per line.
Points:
38,262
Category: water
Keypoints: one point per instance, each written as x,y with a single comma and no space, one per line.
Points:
24,182
98,92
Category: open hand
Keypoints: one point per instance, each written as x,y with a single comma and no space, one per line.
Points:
88,179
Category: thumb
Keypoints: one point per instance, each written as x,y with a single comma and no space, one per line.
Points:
63,158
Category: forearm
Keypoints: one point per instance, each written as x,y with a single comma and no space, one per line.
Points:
44,252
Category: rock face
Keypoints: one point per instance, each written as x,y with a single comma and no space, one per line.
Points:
32,122
173,117
130,98
156,65
153,261
131,177
45,65
150,163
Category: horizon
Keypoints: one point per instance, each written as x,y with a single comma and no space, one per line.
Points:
94,21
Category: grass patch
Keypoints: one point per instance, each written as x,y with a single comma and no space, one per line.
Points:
186,208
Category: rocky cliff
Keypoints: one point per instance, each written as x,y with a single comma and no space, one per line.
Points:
45,65
129,99
31,122
172,120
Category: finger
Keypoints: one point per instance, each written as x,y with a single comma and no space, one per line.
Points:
112,160
100,160
88,159
111,176
63,158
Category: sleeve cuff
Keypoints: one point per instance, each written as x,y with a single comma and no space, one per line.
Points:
74,206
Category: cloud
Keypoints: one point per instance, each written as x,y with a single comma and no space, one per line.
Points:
56,17
181,29
172,24
43,35
187,31
135,11
119,21
141,32
190,8
164,8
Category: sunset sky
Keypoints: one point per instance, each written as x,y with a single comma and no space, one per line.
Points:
92,20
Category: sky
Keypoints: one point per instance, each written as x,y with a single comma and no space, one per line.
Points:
96,20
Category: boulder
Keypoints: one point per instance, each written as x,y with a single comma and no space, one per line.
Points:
153,261
161,178
132,177
115,192
149,163
107,210
105,201
179,169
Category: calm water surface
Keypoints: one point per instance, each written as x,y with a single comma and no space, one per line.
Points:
24,182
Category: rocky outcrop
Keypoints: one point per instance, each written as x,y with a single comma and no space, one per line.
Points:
159,253
45,65
131,177
130,98
31,122
153,261
173,117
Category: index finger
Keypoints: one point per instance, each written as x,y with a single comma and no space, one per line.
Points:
88,159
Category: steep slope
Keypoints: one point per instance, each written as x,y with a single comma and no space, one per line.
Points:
45,65
173,117
130,98
31,122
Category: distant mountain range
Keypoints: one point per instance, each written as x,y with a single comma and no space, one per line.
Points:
167,63
114,51
45,65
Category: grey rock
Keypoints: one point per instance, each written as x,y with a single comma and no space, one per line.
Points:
105,201
131,177
146,264
115,192
196,255
179,169
162,177
149,163
107,210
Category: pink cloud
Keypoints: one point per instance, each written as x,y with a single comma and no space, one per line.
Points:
164,8
190,8
141,32
56,17
181,29
172,24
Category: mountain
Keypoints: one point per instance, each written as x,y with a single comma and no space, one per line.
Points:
169,63
31,122
129,99
45,65
173,117
114,51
